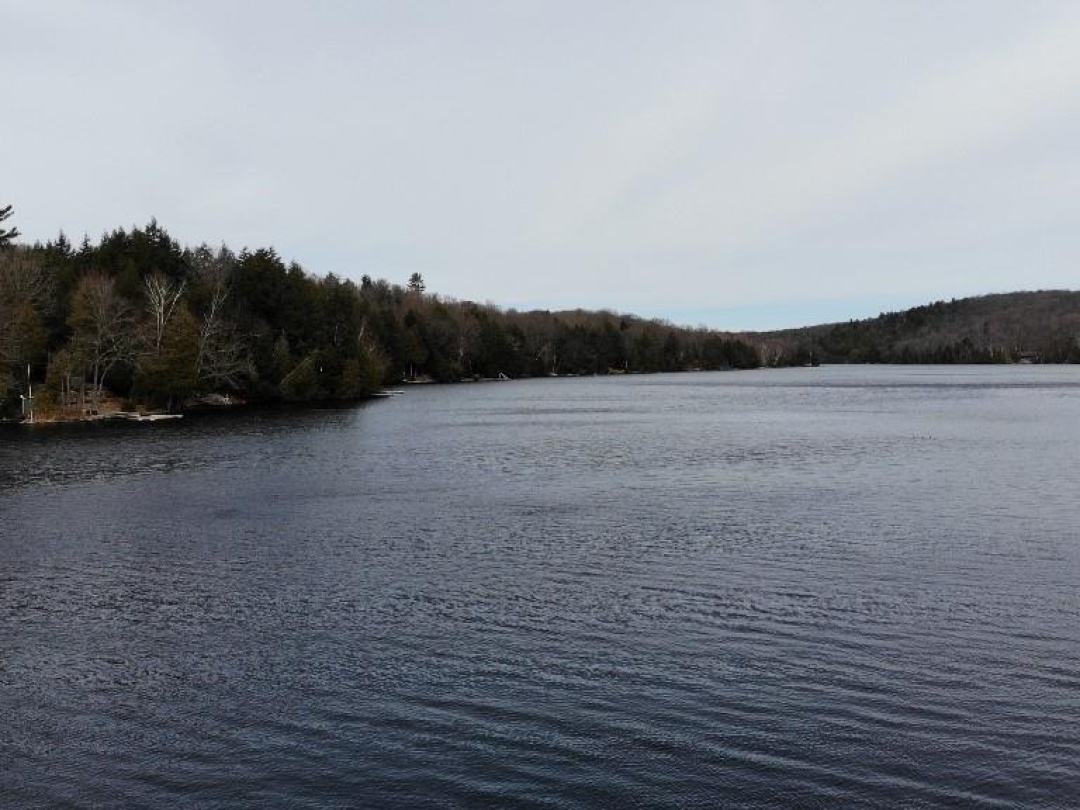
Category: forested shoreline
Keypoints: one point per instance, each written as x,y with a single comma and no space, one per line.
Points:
140,319
1019,327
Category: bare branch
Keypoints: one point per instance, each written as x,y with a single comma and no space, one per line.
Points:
162,295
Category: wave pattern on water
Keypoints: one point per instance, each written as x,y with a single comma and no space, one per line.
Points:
849,588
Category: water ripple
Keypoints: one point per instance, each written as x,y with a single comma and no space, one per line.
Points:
828,588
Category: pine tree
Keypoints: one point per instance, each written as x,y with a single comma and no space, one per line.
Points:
7,234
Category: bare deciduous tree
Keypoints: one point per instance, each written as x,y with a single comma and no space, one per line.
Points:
162,296
103,329
221,361
22,279
25,292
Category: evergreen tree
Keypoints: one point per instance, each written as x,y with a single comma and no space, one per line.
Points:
7,235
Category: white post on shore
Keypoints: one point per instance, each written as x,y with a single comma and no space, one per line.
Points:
30,393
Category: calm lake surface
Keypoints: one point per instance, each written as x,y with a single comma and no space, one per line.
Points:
834,587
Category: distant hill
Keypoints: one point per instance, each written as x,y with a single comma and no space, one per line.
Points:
1041,326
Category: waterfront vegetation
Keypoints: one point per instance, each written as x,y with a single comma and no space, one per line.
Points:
1037,327
137,321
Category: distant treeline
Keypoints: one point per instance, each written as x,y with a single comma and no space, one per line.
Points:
139,317
1038,327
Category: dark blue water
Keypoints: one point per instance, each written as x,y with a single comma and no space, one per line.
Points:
836,587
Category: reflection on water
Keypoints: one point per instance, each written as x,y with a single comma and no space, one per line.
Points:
811,587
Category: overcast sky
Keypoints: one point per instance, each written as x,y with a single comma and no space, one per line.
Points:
735,164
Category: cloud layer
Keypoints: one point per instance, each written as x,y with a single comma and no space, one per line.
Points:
738,164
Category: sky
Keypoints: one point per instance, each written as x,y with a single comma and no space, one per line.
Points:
737,165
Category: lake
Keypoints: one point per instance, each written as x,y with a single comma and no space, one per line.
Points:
831,587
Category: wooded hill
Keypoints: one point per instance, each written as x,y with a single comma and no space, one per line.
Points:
139,317
1039,326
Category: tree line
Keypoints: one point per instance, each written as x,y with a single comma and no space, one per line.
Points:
1040,327
138,317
